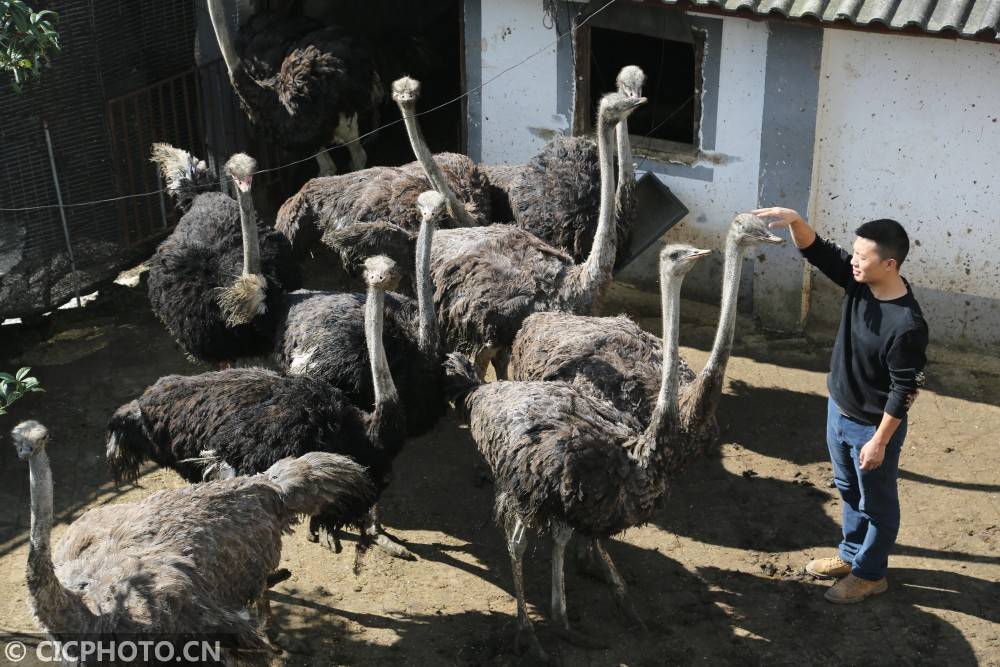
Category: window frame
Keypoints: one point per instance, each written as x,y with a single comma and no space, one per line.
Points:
630,19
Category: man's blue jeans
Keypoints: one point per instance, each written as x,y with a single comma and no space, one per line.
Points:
870,499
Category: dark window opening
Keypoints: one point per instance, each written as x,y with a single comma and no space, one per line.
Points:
670,52
670,81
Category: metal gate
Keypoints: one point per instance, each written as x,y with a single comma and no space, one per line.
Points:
169,111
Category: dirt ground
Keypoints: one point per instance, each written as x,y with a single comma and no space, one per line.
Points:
717,575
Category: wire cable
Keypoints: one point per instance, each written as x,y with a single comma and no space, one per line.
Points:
459,98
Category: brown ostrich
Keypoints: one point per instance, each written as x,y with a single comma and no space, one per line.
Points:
564,461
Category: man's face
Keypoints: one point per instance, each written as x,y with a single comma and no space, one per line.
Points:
866,263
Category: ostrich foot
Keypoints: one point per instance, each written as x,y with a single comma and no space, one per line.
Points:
388,544
586,561
384,540
619,586
526,641
579,639
627,610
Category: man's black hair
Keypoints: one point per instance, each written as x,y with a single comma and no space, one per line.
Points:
889,236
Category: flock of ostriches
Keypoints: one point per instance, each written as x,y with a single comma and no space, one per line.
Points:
588,422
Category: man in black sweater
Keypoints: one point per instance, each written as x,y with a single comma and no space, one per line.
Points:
875,373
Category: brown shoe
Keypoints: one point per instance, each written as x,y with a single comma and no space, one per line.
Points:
828,568
853,589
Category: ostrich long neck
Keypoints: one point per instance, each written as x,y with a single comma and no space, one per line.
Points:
385,389
665,417
596,270
431,168
251,243
218,15
626,168
708,386
55,607
427,329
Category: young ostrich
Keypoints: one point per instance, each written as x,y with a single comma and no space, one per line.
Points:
218,281
613,359
301,84
487,280
323,337
378,196
243,420
186,560
565,461
556,195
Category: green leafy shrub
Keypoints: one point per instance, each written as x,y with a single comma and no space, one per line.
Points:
13,387
27,40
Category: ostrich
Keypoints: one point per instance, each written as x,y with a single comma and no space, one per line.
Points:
381,195
186,560
488,279
301,84
242,420
217,282
630,81
566,461
556,195
323,337
613,359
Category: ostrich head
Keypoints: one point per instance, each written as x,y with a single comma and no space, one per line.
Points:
381,273
241,168
630,81
616,107
679,258
30,438
747,230
405,90
433,206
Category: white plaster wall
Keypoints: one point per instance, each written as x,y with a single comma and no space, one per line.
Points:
519,107
909,128
734,162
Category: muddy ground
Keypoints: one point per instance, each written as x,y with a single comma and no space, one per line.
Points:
717,575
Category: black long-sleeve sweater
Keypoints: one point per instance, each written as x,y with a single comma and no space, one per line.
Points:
880,352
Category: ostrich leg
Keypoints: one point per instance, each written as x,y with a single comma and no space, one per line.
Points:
346,134
517,543
621,592
501,363
561,534
382,539
327,167
483,359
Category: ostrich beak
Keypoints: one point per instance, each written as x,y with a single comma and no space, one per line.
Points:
243,183
697,254
771,238
637,102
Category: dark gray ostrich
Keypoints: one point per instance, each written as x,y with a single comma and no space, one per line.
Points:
613,359
302,84
186,560
323,337
488,279
564,461
556,195
385,197
242,420
218,281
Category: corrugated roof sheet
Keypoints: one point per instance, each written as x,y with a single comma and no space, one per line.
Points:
963,18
